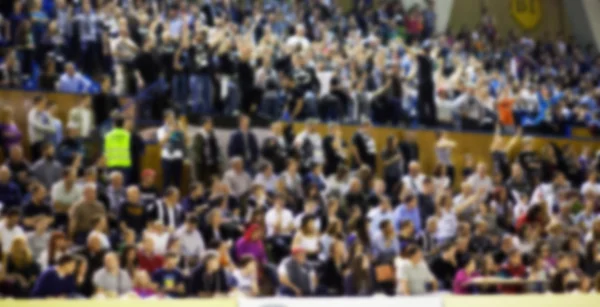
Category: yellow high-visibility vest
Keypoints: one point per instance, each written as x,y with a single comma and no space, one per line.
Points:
117,148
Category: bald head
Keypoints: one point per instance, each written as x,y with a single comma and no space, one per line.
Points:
133,194
111,261
4,174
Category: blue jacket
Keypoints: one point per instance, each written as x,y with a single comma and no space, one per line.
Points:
237,147
10,195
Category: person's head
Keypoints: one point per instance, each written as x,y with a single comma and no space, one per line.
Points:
111,262
148,177
277,128
514,258
385,204
448,250
11,217
427,187
207,124
116,179
481,169
4,174
307,225
148,244
106,84
365,125
118,121
386,228
247,265
211,262
171,261
411,201
413,254
94,243
379,186
66,264
292,165
171,196
278,202
244,123
414,168
141,279
16,153
89,192
48,150
214,217
133,194
431,225
70,69
471,265
39,102
191,223
38,193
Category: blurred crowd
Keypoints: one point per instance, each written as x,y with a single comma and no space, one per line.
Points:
301,59
295,214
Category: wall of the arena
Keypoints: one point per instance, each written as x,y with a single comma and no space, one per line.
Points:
535,18
476,144
583,16
582,300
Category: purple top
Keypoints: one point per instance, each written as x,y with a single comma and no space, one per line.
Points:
459,286
253,248
10,135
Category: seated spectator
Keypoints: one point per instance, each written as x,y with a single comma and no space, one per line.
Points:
192,244
237,179
169,279
64,194
413,275
19,167
267,178
10,229
444,266
148,190
57,247
359,281
58,280
251,244
111,280
307,238
10,194
295,276
408,211
132,214
246,276
37,211
310,209
279,223
331,272
385,245
93,254
316,178
83,213
20,265
70,151
142,285
147,258
100,228
208,279
47,169
38,240
460,284
72,81
513,268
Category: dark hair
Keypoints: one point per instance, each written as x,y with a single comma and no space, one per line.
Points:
65,259
118,122
38,99
12,212
384,224
170,191
411,250
245,261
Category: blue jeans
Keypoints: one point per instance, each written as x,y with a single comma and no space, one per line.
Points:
201,93
271,105
147,98
179,86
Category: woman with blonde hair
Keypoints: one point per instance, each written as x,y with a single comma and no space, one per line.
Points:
20,266
10,135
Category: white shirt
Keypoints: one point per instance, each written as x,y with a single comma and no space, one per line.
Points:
192,243
8,235
271,219
415,184
590,186
165,153
447,225
82,118
478,182
61,195
296,40
161,240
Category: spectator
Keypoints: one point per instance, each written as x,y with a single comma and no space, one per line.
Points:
47,169
111,280
72,81
364,148
251,244
142,285
148,260
37,211
359,282
132,214
10,135
237,178
20,265
93,253
192,244
57,247
173,141
18,166
81,118
413,180
444,267
275,148
169,279
57,281
103,104
266,178
39,126
206,153
334,148
243,144
385,246
167,210
63,195
295,275
307,238
70,151
83,213
413,275
10,195
10,229
208,279
463,276
408,211
38,240
246,276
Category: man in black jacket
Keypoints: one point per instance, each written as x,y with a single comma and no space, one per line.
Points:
243,143
205,153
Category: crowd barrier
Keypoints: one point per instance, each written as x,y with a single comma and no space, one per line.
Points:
546,300
475,144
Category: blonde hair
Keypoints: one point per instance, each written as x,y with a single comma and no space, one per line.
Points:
19,252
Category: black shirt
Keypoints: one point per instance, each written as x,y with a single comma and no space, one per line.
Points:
332,158
200,58
365,144
425,69
134,216
148,194
32,209
444,271
102,105
213,283
148,66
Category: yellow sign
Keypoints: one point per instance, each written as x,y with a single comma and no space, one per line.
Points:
527,13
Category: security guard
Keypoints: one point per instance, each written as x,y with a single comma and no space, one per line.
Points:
117,149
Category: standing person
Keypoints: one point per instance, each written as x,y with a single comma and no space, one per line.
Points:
117,149
334,147
205,153
88,24
103,104
38,126
393,163
243,143
149,82
364,149
136,150
201,91
274,148
426,104
10,135
82,118
172,140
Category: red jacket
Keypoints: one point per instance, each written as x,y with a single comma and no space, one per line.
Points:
149,262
